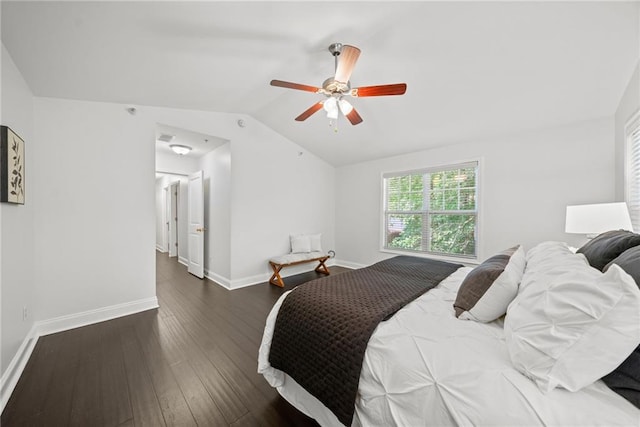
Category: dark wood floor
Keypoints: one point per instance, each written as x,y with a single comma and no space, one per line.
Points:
193,361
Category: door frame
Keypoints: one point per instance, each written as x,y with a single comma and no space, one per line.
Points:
172,219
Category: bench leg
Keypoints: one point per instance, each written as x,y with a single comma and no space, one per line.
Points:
275,277
321,268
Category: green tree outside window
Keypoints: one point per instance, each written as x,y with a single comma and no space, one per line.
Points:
433,211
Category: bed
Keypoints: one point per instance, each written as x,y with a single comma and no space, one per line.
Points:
560,326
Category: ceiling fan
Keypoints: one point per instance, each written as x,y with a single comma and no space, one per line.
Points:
336,88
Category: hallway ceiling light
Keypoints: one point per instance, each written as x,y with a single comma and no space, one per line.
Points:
180,149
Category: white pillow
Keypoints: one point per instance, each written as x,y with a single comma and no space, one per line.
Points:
488,289
300,243
316,242
571,324
546,254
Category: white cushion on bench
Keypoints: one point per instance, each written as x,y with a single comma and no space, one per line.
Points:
291,258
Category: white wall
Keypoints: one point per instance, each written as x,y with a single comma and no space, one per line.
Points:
95,250
175,168
174,163
95,219
629,105
16,221
275,191
527,180
216,166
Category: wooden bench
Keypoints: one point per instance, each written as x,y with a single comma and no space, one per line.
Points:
278,263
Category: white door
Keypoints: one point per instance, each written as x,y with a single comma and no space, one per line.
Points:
196,224
173,219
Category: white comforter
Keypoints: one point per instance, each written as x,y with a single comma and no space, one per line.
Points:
426,367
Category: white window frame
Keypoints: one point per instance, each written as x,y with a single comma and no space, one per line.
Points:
466,259
632,126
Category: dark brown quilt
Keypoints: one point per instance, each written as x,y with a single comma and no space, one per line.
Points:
323,327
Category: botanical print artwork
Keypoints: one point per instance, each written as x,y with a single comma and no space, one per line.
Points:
16,169
11,166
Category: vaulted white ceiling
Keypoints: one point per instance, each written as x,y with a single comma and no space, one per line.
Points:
473,69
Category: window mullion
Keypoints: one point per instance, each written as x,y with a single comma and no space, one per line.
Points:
426,205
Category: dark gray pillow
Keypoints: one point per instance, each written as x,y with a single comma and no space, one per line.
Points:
629,260
625,379
602,249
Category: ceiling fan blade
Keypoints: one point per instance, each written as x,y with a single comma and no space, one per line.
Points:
297,86
381,90
314,108
346,62
354,117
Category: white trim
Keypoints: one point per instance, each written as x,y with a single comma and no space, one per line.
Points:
76,320
632,123
463,260
11,376
349,264
431,169
160,249
256,279
182,260
250,281
218,279
474,259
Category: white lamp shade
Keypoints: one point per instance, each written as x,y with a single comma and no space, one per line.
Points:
597,218
345,106
330,104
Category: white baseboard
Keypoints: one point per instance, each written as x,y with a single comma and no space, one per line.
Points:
218,279
76,320
182,260
258,278
235,284
250,281
349,264
10,377
160,249
12,374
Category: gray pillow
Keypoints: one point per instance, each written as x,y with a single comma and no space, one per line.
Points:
602,249
488,289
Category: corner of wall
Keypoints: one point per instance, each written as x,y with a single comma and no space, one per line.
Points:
17,246
628,106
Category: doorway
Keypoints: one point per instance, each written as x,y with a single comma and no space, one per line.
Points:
173,194
179,154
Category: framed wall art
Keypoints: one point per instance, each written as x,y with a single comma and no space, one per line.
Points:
11,167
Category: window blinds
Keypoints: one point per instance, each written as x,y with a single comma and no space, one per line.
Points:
432,210
633,175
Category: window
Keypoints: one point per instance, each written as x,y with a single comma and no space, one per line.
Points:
633,171
432,210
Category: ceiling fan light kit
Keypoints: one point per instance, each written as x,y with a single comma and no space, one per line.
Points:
337,87
180,149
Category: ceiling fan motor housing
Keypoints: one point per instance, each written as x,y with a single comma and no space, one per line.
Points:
335,49
331,86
